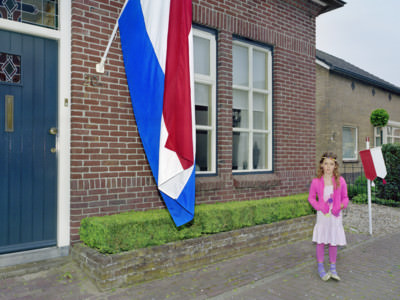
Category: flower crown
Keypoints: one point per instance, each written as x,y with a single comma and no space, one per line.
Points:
324,157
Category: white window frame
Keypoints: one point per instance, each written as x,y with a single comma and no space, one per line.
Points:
355,157
250,90
384,135
210,80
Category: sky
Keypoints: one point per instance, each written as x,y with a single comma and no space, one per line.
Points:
365,33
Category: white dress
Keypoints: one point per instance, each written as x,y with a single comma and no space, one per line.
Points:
329,229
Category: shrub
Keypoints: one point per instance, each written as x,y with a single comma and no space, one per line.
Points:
363,199
359,187
390,190
352,190
134,230
379,117
360,199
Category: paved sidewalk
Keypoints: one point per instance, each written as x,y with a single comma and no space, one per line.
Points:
369,267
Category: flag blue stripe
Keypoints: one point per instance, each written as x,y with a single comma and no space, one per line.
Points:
182,209
145,79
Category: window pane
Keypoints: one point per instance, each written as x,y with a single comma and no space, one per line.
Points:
259,70
259,113
259,152
203,151
202,101
349,143
240,109
38,12
10,68
396,133
240,152
201,55
240,66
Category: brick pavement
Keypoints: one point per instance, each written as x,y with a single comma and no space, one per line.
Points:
369,267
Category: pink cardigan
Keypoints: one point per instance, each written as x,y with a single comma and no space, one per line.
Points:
339,196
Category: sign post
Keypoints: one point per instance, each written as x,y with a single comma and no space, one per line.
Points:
374,166
369,195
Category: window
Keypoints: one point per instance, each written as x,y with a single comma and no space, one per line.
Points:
10,68
387,135
378,136
393,134
204,45
37,12
349,143
252,107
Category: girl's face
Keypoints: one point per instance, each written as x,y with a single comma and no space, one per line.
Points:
328,165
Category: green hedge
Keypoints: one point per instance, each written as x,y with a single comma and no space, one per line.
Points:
390,190
134,230
363,199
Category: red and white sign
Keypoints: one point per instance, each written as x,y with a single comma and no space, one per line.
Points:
373,163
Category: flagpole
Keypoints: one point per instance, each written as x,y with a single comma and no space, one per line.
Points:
369,196
100,65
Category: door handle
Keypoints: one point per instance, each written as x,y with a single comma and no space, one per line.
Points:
53,131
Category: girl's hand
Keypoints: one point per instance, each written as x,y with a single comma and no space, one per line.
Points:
341,206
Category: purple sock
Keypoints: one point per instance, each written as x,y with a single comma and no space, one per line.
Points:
333,269
321,270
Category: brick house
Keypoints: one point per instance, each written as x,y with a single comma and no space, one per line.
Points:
255,108
346,95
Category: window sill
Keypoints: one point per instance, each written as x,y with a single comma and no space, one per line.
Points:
208,183
260,181
350,161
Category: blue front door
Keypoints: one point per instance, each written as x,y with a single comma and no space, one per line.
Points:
28,130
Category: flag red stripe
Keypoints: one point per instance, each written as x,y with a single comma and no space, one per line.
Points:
177,96
368,164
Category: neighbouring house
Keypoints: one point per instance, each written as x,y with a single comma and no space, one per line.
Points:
70,148
346,95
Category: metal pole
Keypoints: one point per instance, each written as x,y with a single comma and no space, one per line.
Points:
100,65
369,196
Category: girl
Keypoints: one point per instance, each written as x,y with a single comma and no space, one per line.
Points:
331,190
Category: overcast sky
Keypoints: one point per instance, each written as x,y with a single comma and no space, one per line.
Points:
365,33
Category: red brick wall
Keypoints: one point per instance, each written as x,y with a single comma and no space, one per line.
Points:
109,171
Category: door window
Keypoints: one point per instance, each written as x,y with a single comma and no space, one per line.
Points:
10,68
43,13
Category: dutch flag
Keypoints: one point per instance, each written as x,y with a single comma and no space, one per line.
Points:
156,41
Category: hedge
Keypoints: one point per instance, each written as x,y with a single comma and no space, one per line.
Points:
363,199
390,190
135,230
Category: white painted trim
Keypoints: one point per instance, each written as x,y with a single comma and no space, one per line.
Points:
251,90
29,29
63,36
64,119
322,64
322,3
356,144
210,80
393,123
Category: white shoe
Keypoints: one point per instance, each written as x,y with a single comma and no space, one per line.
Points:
334,275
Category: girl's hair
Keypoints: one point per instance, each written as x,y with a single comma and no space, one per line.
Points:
336,173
